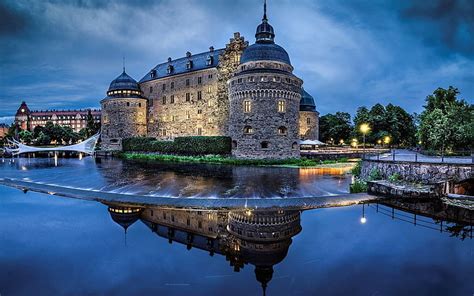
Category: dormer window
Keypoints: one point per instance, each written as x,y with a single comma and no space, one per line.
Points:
189,65
209,60
153,73
170,69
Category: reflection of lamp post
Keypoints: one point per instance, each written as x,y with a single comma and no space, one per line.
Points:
364,128
363,219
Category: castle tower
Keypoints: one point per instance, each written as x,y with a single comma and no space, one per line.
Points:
123,112
22,116
309,117
264,100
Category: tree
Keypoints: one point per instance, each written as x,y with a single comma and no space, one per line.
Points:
91,126
446,123
26,136
335,127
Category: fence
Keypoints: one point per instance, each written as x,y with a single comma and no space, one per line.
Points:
414,156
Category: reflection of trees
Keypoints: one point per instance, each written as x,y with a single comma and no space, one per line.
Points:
460,231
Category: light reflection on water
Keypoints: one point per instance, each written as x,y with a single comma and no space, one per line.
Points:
180,180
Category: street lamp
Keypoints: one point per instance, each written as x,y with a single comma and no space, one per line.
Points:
387,140
364,129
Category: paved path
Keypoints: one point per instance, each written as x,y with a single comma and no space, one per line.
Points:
407,155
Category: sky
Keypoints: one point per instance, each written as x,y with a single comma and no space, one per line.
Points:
64,54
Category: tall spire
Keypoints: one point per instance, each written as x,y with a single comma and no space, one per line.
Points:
264,10
123,63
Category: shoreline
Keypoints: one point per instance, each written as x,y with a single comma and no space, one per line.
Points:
342,163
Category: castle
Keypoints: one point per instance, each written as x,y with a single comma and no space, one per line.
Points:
246,92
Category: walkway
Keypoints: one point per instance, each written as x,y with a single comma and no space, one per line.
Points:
412,156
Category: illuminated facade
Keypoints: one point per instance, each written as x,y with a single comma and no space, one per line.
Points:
245,92
75,119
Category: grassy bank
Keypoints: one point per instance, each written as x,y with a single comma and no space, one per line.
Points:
215,159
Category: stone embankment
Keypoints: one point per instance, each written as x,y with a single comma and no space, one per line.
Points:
388,189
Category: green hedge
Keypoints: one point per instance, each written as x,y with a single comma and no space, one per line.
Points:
198,145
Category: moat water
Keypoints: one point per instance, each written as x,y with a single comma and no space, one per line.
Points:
52,245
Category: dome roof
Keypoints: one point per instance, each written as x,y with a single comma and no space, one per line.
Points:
265,51
265,48
124,82
307,102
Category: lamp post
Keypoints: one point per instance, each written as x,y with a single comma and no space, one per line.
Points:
364,129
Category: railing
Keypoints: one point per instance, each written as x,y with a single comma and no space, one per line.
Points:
414,156
417,220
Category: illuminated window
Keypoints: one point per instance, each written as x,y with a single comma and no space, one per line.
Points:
188,97
209,103
247,106
248,130
173,118
209,89
236,58
281,106
282,130
209,120
188,115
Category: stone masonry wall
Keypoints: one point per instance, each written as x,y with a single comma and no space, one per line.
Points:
309,125
425,173
122,118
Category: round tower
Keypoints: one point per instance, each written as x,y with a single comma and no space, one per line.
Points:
264,100
309,117
123,112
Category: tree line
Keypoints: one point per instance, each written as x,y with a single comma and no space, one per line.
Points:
52,133
446,123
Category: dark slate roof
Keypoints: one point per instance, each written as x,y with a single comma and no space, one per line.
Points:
123,82
265,51
307,102
179,65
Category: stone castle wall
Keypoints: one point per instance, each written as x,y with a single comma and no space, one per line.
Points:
309,125
122,118
263,131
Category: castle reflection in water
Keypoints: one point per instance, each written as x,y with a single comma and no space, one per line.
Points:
257,237
262,238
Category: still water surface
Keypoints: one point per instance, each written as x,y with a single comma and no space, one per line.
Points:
60,246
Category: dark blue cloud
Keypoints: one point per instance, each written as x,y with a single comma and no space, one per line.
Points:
63,54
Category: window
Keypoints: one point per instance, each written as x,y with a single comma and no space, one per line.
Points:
199,224
199,95
173,118
234,144
187,82
164,100
199,80
209,76
282,130
172,99
281,106
199,131
140,105
209,103
239,80
236,58
151,89
188,97
163,87
128,104
199,111
169,70
153,73
248,130
189,65
294,146
251,79
209,89
209,120
188,221
150,102
265,145
172,85
242,68
247,106
188,115
308,120
209,60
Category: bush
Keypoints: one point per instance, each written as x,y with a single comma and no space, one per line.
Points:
375,175
395,178
357,169
199,145
358,186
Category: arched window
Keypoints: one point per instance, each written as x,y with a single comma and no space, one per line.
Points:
281,106
294,146
282,130
248,129
265,145
308,120
247,106
234,144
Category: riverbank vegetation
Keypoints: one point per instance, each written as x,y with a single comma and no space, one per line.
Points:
219,159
